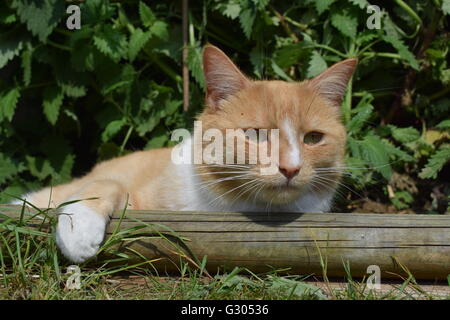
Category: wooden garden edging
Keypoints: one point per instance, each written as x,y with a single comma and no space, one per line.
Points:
262,241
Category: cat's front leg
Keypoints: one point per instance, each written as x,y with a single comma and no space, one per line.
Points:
82,224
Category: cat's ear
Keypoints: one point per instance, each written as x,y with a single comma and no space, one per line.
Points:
331,83
223,78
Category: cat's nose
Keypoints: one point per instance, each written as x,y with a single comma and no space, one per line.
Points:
289,173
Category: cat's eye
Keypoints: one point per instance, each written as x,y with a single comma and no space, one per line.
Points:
313,137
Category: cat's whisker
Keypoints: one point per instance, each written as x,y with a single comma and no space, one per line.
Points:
204,185
229,191
313,185
324,185
246,174
339,183
217,172
207,185
360,168
334,172
223,166
249,188
269,206
257,192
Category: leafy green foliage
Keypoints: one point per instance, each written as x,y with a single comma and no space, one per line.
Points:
10,46
53,98
40,17
146,14
404,135
316,65
110,42
446,6
137,41
436,162
70,98
345,23
8,101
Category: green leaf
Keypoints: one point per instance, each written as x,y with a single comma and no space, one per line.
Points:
258,58
446,7
137,41
247,19
8,103
111,42
10,46
53,98
73,91
171,106
389,27
402,50
261,4
147,125
405,135
443,125
365,37
40,17
316,65
436,163
146,14
118,79
82,58
402,199
39,167
362,4
291,54
26,65
64,172
354,146
59,154
156,27
7,168
232,10
95,12
14,189
359,120
279,72
323,5
374,152
159,139
195,65
345,23
112,129
160,29
7,17
394,151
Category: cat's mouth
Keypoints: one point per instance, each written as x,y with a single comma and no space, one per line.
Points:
285,187
289,188
282,193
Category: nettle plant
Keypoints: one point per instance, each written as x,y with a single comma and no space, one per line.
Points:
72,97
69,98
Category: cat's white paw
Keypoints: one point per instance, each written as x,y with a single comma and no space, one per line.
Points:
80,232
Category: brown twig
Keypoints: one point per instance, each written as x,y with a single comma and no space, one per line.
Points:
285,25
185,56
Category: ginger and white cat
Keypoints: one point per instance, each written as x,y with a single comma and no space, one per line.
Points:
311,153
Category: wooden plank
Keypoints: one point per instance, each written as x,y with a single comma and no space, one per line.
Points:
263,241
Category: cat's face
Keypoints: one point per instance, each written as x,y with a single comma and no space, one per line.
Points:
311,136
